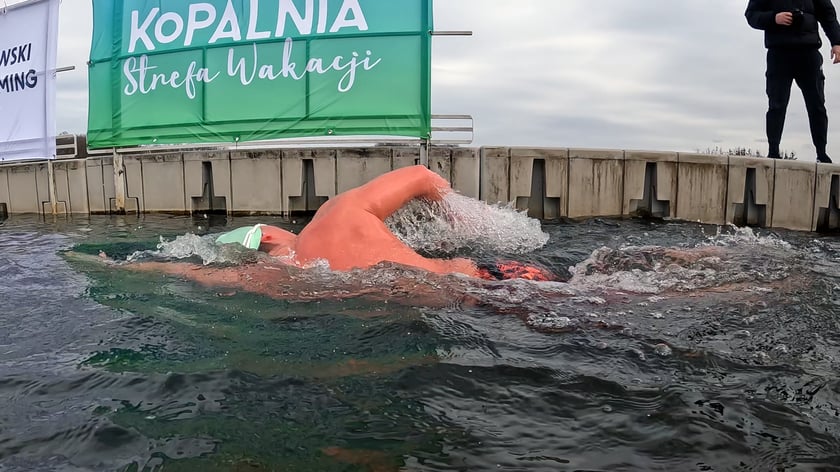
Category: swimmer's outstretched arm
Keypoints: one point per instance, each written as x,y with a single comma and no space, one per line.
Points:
273,280
388,193
208,276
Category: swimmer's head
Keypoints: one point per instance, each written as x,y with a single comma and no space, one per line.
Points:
271,239
503,270
248,236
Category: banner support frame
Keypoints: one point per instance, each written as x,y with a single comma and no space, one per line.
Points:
6,8
119,182
424,153
451,33
51,186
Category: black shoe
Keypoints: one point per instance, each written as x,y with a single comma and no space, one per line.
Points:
824,159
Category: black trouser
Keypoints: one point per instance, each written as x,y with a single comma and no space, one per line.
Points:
804,65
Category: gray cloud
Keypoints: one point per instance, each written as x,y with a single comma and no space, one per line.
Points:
652,74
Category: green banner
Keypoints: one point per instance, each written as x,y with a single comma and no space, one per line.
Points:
187,71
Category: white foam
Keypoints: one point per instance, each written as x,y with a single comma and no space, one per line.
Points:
744,237
549,321
654,269
459,222
203,247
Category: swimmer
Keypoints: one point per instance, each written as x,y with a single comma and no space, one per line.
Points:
349,232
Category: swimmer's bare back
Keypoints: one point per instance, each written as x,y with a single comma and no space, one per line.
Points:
349,230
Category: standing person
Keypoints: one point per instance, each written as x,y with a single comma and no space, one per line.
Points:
793,53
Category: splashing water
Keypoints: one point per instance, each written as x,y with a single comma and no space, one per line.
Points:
204,247
643,270
745,237
453,224
458,222
655,269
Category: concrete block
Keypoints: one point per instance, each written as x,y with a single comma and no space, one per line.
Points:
133,183
256,178
827,198
5,200
539,180
793,195
596,178
650,184
162,183
702,188
326,182
750,196
465,170
440,162
309,178
355,167
405,156
100,184
295,185
207,179
24,182
71,186
4,191
495,174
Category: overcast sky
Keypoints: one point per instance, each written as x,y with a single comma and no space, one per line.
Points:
650,74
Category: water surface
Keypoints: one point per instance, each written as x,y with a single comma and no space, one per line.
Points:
631,361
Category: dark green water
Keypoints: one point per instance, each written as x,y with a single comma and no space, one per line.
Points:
637,362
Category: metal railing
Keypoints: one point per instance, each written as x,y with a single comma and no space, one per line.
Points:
461,132
67,146
446,130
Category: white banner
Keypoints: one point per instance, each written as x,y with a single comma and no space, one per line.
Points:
28,42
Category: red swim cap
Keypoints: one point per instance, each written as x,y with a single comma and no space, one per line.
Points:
503,270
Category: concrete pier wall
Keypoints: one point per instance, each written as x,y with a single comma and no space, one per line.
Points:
548,183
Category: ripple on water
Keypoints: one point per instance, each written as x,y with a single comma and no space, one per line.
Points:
72,421
106,369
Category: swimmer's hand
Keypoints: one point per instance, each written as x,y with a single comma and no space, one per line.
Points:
463,266
99,259
437,186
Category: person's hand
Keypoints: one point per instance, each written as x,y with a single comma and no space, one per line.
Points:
463,266
437,186
440,183
835,53
784,18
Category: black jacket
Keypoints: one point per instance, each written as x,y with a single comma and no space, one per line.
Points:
761,14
